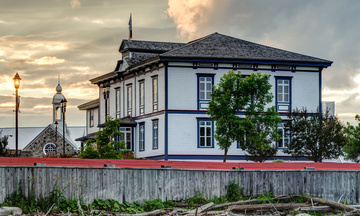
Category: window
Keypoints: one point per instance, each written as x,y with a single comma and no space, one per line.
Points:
155,131
205,83
129,100
285,137
205,132
57,113
142,137
141,97
283,94
49,149
126,137
155,93
117,99
91,118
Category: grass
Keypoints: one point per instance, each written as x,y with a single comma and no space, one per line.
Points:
58,203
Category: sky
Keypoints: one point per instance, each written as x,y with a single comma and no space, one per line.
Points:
79,40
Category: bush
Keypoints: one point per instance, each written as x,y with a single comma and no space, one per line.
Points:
150,205
234,192
197,199
128,155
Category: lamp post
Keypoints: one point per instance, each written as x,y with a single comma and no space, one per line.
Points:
16,85
63,110
106,92
56,127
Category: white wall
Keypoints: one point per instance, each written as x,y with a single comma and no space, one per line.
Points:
183,137
149,151
183,86
95,128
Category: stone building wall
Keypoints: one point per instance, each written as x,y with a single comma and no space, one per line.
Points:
48,135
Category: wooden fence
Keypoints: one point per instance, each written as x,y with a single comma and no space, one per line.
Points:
132,184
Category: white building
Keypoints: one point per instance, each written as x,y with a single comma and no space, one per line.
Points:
162,89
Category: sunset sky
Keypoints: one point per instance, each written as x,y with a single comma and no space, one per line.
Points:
79,40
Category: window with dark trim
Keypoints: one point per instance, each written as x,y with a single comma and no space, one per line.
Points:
155,93
91,118
205,133
117,100
155,130
283,94
284,140
205,83
129,99
141,97
142,136
126,137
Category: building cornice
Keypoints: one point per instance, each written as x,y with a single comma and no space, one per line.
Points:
89,105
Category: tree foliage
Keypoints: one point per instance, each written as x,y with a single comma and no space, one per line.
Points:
352,148
3,145
104,145
255,130
316,136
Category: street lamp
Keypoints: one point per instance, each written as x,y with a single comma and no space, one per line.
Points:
106,92
16,85
56,127
63,110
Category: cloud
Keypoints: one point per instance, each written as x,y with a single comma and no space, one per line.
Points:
7,104
47,60
188,15
75,3
98,21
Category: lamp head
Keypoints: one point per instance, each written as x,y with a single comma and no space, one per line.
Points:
16,81
63,103
56,124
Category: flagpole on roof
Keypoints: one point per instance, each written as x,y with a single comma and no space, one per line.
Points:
130,27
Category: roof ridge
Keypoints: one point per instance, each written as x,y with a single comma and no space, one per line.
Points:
190,43
154,41
222,46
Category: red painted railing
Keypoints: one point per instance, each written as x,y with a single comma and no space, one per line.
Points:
11,161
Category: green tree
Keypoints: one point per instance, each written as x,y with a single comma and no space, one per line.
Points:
352,148
254,130
316,136
3,145
104,145
260,123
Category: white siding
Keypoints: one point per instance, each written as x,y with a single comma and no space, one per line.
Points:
96,121
183,88
183,137
149,151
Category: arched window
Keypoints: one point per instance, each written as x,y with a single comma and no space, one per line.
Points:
57,113
49,149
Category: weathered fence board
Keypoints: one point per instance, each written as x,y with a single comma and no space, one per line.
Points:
132,184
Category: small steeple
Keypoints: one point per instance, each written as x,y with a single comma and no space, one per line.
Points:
56,103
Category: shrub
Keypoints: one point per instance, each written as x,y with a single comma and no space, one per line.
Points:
234,192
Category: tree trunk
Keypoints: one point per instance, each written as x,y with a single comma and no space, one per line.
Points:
331,204
225,154
278,206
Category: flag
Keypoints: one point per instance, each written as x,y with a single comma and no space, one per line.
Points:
130,27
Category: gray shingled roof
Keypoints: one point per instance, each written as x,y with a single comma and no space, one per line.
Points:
219,46
153,46
137,57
